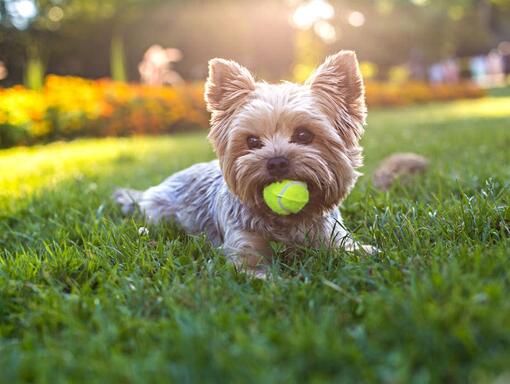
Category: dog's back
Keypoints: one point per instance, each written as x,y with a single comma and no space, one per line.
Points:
188,197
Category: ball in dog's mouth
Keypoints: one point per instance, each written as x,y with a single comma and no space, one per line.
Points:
286,197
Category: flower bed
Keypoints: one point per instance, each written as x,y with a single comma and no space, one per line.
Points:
389,94
70,107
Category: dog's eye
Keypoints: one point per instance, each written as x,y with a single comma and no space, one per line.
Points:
254,142
302,136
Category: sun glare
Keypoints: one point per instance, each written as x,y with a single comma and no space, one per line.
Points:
356,19
325,31
25,8
306,15
55,14
21,12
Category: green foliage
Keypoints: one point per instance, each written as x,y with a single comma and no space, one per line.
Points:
43,29
84,298
395,32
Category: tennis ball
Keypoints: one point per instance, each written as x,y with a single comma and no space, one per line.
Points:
286,196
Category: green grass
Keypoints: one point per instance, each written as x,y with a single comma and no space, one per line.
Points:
84,298
500,91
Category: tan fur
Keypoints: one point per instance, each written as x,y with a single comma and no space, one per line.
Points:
331,104
223,198
399,166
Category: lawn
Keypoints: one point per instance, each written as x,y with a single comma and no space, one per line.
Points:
84,298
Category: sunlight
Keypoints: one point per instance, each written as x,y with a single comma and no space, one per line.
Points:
55,14
33,168
306,15
356,19
420,2
21,11
24,8
325,31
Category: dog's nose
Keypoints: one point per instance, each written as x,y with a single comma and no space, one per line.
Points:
278,166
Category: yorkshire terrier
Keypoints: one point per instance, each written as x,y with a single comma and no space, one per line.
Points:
263,133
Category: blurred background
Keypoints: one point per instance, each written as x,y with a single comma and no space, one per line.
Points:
72,68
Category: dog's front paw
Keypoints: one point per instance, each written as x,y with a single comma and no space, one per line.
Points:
127,198
369,249
249,252
256,273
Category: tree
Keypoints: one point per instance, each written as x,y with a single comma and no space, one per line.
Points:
32,24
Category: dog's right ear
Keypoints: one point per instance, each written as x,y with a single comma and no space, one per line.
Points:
227,86
338,86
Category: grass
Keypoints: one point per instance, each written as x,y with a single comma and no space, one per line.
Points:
84,298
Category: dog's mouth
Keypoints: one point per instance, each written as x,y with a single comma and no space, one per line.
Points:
315,203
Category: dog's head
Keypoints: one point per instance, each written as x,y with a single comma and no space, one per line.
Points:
263,132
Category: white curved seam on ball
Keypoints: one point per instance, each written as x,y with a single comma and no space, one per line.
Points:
282,192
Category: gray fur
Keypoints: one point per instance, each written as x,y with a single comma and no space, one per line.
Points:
199,201
224,199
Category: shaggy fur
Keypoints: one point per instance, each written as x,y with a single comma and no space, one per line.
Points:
398,167
223,198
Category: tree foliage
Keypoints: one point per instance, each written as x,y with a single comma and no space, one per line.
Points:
75,36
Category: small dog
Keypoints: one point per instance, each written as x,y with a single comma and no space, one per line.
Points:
263,133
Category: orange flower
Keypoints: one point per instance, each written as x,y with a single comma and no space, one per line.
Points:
72,106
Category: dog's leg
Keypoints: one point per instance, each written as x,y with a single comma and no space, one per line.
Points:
352,246
155,203
336,235
248,251
128,199
344,240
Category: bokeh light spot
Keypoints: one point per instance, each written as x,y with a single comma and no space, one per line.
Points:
325,31
356,19
307,14
55,14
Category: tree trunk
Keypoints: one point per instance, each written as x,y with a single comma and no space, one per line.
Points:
117,58
34,70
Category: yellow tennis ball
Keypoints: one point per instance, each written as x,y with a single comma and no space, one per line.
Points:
286,196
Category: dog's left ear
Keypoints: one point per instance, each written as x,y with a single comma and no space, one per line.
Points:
338,86
227,86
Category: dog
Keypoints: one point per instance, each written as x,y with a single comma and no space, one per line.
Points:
264,133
